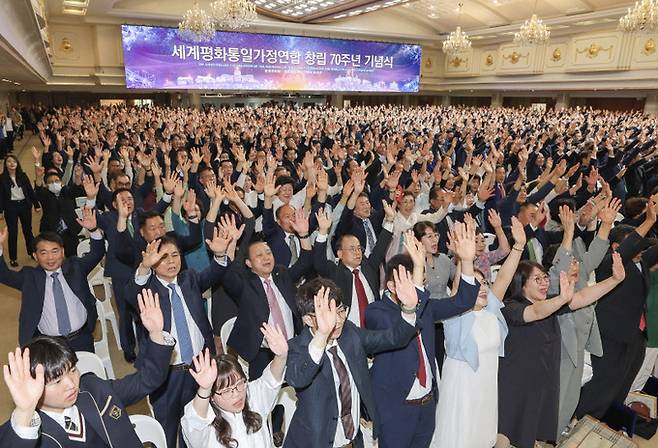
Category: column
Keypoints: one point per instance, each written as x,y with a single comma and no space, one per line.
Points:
651,104
562,101
445,100
497,100
337,100
194,100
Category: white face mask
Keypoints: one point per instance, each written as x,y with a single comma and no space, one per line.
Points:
55,187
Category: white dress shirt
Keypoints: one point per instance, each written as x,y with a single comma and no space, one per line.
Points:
196,336
354,315
17,193
262,393
77,312
32,432
295,241
285,309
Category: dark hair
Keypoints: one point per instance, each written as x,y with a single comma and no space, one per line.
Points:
420,227
619,232
54,354
549,255
169,239
279,210
51,237
19,171
284,180
52,173
148,215
520,278
229,372
634,207
395,262
307,292
118,191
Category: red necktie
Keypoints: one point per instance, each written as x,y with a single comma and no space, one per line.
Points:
643,321
422,375
361,297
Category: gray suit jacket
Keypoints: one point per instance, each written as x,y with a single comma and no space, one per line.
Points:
579,328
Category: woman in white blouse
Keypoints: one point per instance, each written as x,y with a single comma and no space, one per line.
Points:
228,411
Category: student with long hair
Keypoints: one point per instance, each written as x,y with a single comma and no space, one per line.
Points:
228,411
16,201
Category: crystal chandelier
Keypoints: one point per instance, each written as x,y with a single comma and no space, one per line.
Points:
196,25
642,18
233,14
457,41
532,32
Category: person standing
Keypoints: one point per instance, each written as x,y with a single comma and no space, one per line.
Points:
16,201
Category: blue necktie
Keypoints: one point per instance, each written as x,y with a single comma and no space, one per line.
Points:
182,330
61,309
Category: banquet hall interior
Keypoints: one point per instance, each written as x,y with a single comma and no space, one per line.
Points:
523,76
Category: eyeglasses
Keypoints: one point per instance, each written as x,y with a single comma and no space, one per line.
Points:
539,279
485,282
353,249
238,387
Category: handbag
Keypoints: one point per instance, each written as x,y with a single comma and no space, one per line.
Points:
591,433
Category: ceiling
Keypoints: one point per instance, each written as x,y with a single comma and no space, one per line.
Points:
436,16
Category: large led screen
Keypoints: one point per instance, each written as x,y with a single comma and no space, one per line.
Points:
157,58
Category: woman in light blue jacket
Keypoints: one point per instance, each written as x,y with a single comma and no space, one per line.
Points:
467,415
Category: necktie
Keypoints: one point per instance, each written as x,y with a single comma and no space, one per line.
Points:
293,249
182,330
275,309
422,374
129,225
501,188
345,394
361,297
69,425
370,237
61,309
531,251
643,321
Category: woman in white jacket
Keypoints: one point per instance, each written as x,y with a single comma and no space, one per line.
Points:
228,411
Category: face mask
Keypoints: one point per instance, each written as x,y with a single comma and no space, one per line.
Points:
55,187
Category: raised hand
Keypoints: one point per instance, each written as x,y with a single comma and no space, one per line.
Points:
389,211
205,370
227,222
88,220
152,255
405,290
149,311
415,248
494,219
26,391
300,224
463,241
276,341
189,204
326,314
220,241
122,209
608,213
270,188
91,187
324,221
566,287
518,232
618,271
567,218
169,182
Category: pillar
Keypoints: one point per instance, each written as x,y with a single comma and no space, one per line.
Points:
337,100
445,100
194,100
651,104
562,101
497,100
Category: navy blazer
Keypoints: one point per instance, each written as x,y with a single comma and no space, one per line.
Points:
350,224
247,291
103,404
314,422
192,285
32,283
394,372
276,238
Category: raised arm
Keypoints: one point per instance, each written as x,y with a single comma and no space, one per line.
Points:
591,294
507,270
544,308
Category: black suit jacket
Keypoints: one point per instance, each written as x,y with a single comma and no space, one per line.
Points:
314,422
103,405
55,208
32,282
619,312
21,181
350,224
247,290
275,237
342,275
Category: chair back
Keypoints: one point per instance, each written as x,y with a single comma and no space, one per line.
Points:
149,430
91,363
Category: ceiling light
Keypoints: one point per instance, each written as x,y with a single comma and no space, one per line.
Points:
643,18
196,25
457,41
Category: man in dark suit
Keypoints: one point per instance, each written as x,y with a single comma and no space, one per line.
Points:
406,396
265,292
56,300
58,205
621,318
57,407
330,355
185,317
123,212
359,219
356,276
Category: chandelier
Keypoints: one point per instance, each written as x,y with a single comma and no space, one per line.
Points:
233,14
532,32
196,25
643,18
457,41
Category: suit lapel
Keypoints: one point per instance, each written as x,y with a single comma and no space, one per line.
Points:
188,297
165,300
89,409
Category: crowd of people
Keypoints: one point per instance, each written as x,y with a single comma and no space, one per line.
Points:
439,272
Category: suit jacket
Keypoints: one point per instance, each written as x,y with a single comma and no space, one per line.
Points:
247,290
394,372
56,208
21,181
192,285
350,224
314,422
343,276
32,282
275,237
103,404
619,311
